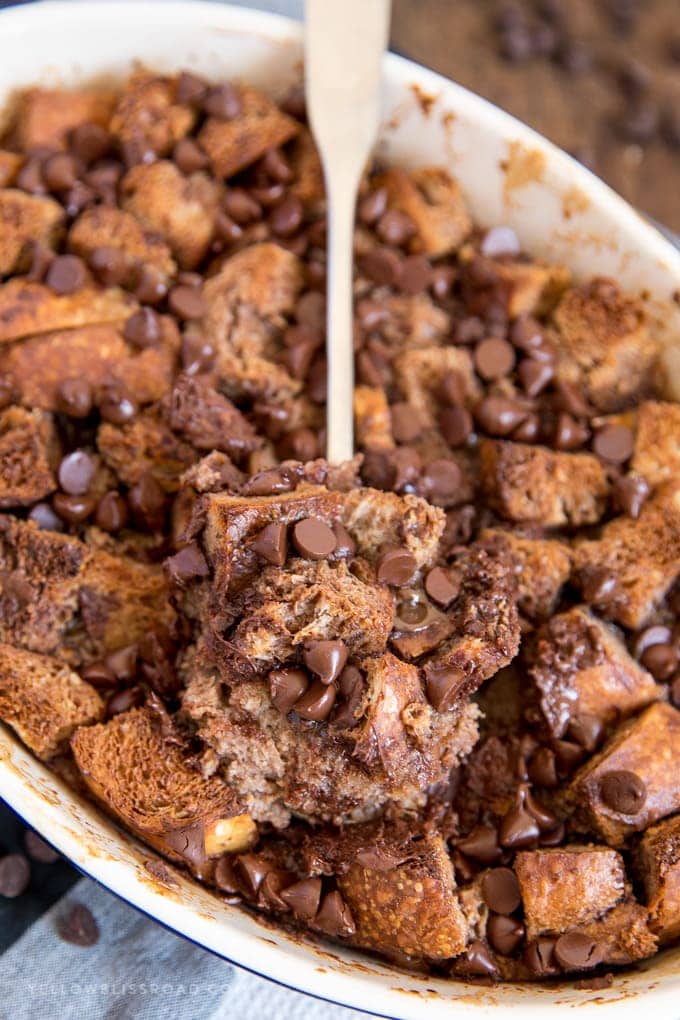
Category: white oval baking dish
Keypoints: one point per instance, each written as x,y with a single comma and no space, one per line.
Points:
509,175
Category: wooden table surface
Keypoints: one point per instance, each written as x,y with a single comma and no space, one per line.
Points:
578,111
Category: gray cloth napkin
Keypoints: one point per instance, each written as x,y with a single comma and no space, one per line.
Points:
136,971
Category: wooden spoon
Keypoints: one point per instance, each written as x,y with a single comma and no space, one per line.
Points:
344,44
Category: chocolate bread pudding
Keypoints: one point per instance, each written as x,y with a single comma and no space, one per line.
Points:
426,702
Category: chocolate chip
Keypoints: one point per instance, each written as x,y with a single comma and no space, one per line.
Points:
518,829
191,89
479,960
226,229
500,890
526,333
187,302
30,178
109,265
569,434
599,586
150,288
467,331
498,242
15,874
189,156
481,844
540,957
60,171
568,755
241,207
456,425
443,686
542,769
534,376
99,675
78,926
198,355
498,416
146,500
586,730
111,514
74,398
252,869
529,431
415,274
629,494
345,546
570,399
73,509
351,687
313,539
90,142
494,358
395,566
441,479
303,898
441,281
380,265
407,423
123,701
326,659
504,933
316,703
286,686
554,836
66,274
76,471
186,565
41,259
123,663
576,951
395,228
658,634
223,101
38,850
373,206
117,405
334,917
272,543
143,328
661,660
287,217
623,791
442,586
614,443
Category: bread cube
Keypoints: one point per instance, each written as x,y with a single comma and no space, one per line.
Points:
568,886
167,804
604,345
30,308
372,419
657,859
28,456
44,701
543,566
647,746
25,219
535,485
234,144
147,119
104,226
657,442
640,557
412,908
45,117
419,374
433,200
580,666
180,209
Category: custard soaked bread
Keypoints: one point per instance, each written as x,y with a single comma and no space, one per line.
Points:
424,702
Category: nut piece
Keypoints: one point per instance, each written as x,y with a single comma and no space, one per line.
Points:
230,835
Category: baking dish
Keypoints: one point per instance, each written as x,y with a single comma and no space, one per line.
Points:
509,175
